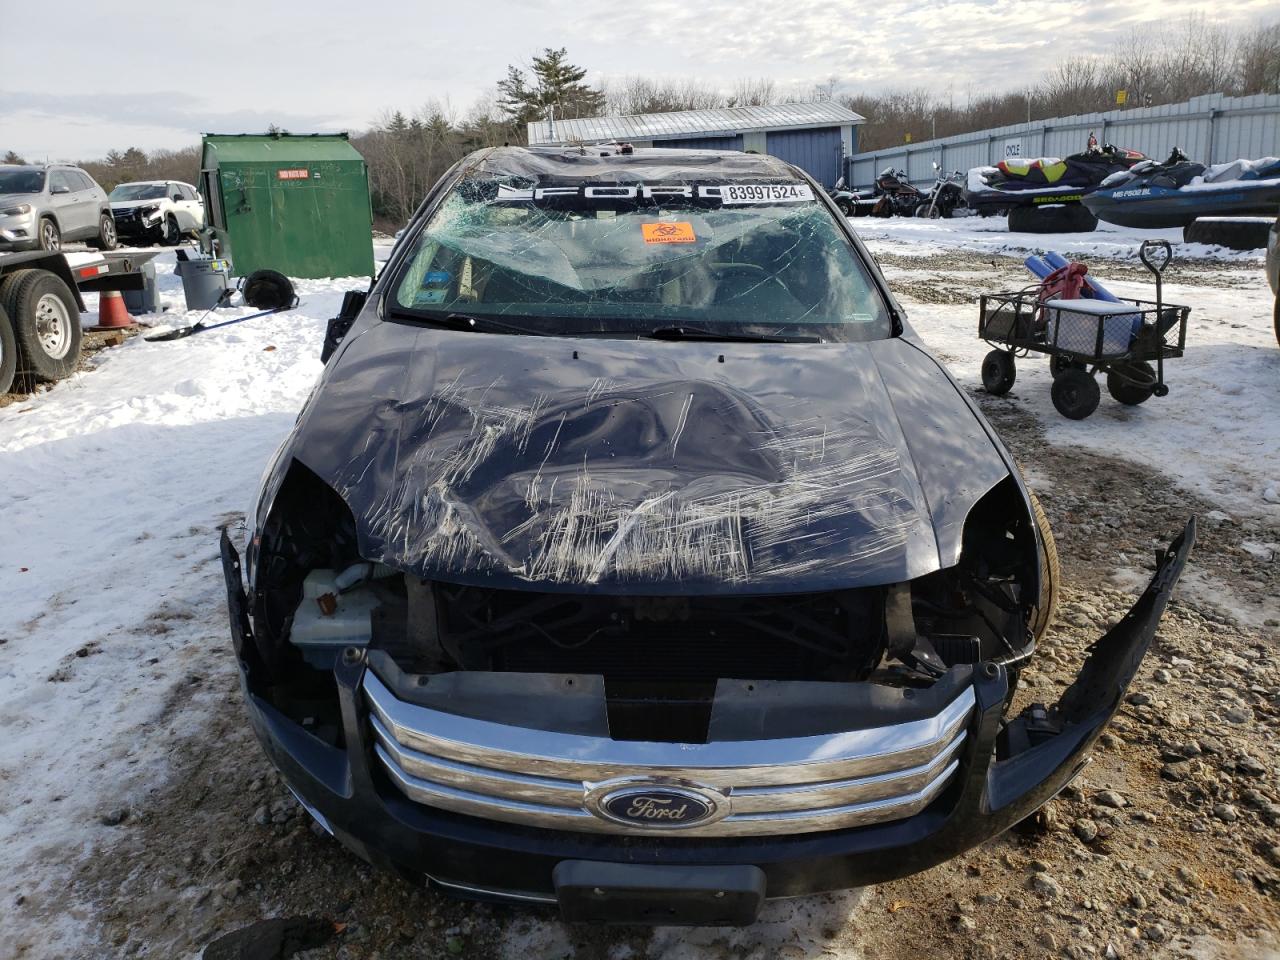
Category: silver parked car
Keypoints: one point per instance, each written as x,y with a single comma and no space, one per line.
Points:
45,205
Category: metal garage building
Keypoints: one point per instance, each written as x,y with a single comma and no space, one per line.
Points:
814,136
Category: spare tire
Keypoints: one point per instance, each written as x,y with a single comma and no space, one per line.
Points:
1058,218
1244,233
268,290
8,352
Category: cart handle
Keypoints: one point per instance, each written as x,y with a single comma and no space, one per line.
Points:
1156,264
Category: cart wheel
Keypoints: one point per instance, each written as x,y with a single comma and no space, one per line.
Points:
1075,393
998,372
1160,389
1058,363
1132,383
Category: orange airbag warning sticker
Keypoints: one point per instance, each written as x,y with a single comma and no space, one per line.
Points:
668,232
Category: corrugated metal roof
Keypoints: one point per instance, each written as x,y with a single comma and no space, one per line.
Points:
286,148
693,123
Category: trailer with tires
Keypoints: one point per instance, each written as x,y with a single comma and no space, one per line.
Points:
40,307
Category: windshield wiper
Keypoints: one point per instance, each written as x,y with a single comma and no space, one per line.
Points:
680,332
465,321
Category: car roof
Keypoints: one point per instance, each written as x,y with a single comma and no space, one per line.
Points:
616,162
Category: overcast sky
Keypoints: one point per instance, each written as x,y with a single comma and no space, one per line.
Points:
156,75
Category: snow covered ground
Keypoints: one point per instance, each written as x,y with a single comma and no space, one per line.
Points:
113,483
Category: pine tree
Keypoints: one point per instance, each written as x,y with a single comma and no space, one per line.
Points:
399,125
11,157
555,83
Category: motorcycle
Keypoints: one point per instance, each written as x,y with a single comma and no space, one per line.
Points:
897,196
945,197
851,202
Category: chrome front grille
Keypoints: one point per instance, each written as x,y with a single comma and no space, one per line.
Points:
541,778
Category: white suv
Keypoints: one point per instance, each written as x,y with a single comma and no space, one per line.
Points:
156,210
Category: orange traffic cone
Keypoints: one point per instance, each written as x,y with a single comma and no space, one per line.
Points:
112,314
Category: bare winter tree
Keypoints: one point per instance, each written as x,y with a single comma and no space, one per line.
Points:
756,92
1258,60
1137,67
1074,85
1201,60
826,90
634,95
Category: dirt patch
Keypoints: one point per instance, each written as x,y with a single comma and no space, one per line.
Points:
991,270
94,342
1187,854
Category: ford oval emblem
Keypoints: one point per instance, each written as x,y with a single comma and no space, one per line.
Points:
659,806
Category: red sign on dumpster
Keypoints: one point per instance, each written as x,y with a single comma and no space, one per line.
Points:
298,173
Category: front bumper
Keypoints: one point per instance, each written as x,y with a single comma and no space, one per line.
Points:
18,231
351,792
131,223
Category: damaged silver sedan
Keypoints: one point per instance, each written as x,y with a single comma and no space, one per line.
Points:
633,555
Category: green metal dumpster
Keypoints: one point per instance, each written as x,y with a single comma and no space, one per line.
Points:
294,203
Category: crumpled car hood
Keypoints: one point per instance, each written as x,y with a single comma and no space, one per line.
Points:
581,464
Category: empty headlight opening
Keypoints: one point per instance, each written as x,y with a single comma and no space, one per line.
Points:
660,657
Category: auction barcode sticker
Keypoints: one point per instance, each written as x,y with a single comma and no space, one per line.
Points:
759,192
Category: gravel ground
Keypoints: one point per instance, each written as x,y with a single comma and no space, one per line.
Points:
1168,845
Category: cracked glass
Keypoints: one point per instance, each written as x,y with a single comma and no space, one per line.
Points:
562,256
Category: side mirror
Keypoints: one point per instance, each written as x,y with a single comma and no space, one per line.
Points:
176,198
352,303
59,189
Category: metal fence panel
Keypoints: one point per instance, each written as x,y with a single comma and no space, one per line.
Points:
1212,129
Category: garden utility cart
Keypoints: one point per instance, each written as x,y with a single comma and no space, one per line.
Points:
1084,335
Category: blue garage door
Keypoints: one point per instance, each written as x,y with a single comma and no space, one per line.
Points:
703,143
817,152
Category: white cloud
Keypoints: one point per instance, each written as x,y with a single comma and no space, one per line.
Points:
331,64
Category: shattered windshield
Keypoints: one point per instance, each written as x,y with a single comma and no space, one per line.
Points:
582,258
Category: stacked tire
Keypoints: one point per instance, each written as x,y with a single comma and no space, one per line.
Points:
1054,218
40,332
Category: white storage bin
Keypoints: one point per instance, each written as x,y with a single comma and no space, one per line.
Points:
1073,325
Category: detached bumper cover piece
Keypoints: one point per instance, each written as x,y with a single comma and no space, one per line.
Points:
488,817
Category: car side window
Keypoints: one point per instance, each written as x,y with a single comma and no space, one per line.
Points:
175,192
82,179
59,179
188,192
